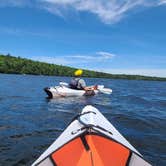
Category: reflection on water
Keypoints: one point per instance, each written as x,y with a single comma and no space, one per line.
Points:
68,100
29,122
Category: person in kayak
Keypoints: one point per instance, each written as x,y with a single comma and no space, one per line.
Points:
79,83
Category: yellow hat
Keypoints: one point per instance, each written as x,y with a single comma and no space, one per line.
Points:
78,72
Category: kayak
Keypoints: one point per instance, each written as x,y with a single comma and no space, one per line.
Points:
91,140
63,90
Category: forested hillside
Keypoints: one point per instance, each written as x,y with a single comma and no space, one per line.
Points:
17,65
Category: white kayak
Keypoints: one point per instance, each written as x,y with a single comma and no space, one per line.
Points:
63,90
91,140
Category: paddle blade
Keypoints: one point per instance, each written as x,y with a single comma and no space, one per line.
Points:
105,90
64,84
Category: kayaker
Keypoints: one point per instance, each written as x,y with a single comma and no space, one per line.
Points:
79,83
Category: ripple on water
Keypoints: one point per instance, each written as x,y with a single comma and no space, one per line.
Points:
29,122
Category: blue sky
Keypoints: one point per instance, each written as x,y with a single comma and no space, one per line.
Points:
115,36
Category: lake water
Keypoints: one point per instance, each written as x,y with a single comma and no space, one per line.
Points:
29,122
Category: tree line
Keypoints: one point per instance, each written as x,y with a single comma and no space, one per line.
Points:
17,65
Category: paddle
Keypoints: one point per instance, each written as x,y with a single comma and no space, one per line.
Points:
63,84
100,88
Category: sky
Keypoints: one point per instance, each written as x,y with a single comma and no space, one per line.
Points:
114,36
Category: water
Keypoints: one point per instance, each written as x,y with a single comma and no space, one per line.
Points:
29,122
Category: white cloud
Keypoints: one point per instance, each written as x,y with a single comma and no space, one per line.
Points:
108,11
76,59
98,56
52,60
133,71
23,32
162,2
105,55
14,3
81,60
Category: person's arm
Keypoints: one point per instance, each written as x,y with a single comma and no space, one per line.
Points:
86,88
82,84
90,88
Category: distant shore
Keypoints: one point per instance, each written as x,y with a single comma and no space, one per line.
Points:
17,65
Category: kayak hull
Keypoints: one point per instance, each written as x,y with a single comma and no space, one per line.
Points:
62,91
91,140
